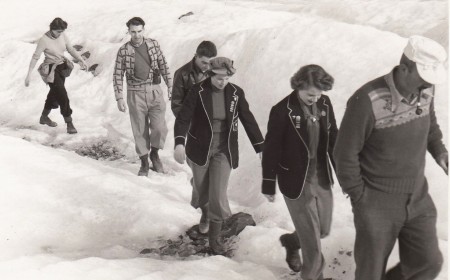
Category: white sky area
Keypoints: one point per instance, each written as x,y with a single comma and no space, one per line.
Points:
64,216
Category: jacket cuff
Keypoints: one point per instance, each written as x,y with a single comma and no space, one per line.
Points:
180,140
259,147
268,186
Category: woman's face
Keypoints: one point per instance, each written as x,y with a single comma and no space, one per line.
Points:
57,33
220,80
310,95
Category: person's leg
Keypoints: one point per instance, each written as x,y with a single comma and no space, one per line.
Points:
50,103
61,95
219,174
62,98
158,126
200,183
139,121
305,217
378,218
200,192
420,257
140,127
324,198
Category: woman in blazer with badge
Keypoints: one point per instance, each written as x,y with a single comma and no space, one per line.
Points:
207,126
298,150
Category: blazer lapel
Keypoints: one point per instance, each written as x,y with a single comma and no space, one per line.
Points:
323,111
231,100
206,98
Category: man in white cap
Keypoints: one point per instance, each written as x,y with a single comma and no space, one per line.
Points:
388,126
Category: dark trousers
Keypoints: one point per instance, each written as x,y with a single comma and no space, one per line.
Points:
382,218
57,96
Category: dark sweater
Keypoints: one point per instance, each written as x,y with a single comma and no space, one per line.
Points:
382,141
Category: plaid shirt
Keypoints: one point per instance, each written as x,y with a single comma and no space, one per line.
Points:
125,64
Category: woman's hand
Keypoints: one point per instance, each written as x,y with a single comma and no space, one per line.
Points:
270,197
84,65
179,154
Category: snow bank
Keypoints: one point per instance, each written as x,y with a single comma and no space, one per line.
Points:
64,213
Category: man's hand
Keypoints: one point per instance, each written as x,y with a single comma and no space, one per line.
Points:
270,197
121,105
179,154
442,160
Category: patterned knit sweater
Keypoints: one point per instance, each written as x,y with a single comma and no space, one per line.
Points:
382,142
125,65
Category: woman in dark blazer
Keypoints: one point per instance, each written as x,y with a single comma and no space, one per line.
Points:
298,150
208,126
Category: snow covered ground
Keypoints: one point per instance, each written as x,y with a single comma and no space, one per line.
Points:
65,216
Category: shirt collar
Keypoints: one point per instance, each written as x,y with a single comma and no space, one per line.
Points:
397,98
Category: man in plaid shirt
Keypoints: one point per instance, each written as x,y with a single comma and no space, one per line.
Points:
143,63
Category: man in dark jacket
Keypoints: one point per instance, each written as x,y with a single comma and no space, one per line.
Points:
388,126
297,152
191,73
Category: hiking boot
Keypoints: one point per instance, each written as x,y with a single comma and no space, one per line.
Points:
71,129
156,162
46,120
145,166
215,242
203,226
290,242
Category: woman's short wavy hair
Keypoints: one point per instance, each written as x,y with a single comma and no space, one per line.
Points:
58,24
312,75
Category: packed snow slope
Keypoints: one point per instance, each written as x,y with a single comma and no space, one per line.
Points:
68,216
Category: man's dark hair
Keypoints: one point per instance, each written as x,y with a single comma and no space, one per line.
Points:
135,21
58,24
312,75
206,48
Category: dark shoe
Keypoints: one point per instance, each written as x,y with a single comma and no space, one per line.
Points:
156,162
215,242
145,166
71,129
203,226
46,120
291,244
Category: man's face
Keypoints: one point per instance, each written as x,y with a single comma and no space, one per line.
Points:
57,33
414,82
137,33
202,62
310,95
220,80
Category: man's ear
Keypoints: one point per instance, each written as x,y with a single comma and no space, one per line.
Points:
403,69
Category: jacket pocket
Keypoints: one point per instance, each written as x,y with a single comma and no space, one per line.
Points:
283,167
192,135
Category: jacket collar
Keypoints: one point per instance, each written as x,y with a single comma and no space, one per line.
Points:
297,116
231,99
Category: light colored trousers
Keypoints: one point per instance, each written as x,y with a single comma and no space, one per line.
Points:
147,114
210,182
311,214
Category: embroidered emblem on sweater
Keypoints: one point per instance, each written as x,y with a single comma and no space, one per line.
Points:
388,105
404,113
